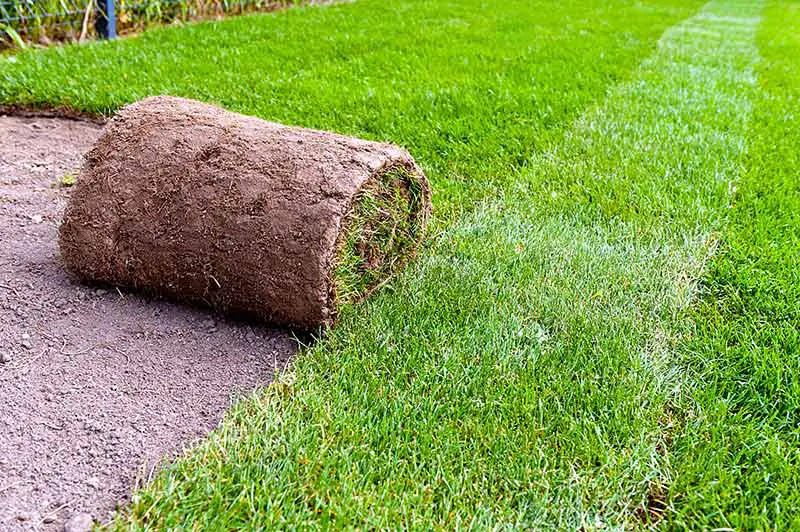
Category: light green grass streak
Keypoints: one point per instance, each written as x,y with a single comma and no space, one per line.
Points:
520,373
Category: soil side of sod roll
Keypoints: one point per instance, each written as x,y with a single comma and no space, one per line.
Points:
189,201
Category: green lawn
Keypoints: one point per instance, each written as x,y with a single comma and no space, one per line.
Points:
737,453
470,91
568,351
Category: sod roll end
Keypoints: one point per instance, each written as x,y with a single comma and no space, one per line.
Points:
189,201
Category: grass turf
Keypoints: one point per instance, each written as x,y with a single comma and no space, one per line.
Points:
520,373
470,91
737,453
524,372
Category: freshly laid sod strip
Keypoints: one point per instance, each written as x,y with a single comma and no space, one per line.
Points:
521,374
470,88
737,457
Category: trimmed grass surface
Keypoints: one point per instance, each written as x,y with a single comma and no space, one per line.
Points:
470,88
519,374
546,362
737,455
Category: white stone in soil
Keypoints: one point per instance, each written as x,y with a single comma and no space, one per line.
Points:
80,522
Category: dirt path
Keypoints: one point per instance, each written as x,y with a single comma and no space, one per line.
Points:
96,386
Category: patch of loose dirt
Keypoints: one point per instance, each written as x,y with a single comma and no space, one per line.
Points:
96,386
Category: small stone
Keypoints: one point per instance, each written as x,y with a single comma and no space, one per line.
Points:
93,482
5,358
26,336
37,218
48,519
80,522
92,425
26,344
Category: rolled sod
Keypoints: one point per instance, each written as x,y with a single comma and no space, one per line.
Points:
189,201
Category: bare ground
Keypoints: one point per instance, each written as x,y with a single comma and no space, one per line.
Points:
97,386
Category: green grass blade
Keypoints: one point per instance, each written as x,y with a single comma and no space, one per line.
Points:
14,36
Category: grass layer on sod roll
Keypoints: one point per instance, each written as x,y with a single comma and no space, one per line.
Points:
522,372
737,457
469,90
379,234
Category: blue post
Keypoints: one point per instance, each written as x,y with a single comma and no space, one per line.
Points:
106,21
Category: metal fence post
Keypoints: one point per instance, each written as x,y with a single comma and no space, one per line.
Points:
105,19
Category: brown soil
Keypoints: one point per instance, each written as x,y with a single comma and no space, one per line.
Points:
187,200
96,386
